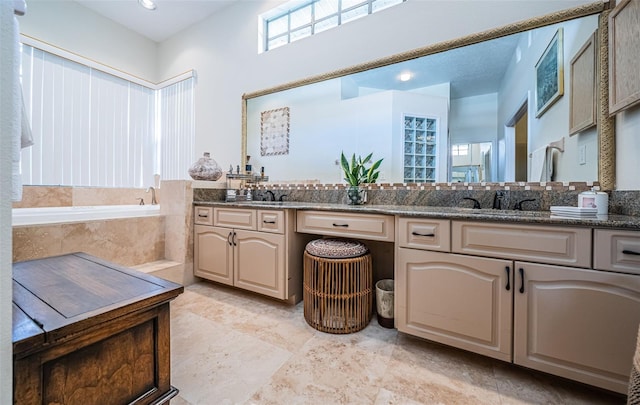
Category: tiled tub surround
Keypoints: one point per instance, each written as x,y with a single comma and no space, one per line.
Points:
160,244
66,196
125,241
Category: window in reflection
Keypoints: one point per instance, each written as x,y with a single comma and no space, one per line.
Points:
471,162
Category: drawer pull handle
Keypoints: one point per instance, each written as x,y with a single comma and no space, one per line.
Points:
341,225
522,282
630,252
430,235
508,271
268,222
203,216
235,239
229,238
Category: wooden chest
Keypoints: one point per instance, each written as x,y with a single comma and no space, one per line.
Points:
86,331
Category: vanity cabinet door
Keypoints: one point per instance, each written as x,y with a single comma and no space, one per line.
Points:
461,301
259,260
213,253
575,323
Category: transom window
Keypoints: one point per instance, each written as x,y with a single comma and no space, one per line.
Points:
281,27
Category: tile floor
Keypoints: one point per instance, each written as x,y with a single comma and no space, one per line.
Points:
233,347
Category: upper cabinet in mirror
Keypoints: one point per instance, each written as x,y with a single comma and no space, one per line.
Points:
465,110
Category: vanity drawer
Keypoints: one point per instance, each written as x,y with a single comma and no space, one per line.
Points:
361,226
534,243
271,221
427,234
234,218
617,251
203,215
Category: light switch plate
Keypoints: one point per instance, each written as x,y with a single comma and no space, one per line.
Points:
582,155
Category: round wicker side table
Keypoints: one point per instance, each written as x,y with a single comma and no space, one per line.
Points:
338,285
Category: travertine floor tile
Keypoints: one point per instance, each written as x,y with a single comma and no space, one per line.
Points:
213,364
333,369
234,347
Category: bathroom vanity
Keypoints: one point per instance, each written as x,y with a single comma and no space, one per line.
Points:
89,332
556,295
253,249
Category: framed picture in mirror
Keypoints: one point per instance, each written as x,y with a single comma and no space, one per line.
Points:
582,87
624,41
274,132
549,75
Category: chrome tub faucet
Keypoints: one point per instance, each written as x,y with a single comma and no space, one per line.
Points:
153,195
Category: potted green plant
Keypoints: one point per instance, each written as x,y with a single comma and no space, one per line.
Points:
357,173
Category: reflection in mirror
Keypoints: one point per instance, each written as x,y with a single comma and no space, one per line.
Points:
471,162
420,114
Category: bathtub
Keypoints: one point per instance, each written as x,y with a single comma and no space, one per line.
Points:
56,215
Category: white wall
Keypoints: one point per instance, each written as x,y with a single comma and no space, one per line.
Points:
223,50
8,129
72,27
628,149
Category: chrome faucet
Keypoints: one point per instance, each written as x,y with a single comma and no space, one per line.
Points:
153,196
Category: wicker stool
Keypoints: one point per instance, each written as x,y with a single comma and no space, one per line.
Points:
338,284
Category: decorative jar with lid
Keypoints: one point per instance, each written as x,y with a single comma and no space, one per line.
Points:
205,169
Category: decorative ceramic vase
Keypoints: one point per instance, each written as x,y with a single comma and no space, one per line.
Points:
205,169
357,195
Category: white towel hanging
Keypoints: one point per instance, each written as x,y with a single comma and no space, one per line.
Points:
539,168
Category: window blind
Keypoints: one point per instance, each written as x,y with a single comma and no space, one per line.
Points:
92,128
176,122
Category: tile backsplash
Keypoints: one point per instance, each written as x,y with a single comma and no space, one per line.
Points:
544,195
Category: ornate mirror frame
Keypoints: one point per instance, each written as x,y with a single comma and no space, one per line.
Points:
605,124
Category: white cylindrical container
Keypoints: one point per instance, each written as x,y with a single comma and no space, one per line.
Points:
593,199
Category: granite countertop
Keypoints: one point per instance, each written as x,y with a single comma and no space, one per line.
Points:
531,217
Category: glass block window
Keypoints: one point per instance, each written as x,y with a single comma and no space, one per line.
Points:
283,27
420,152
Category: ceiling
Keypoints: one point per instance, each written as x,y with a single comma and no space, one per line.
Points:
469,70
169,18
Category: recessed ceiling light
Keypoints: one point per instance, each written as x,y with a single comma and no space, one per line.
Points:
148,4
405,77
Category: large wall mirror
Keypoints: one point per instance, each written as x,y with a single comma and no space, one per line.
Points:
489,107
